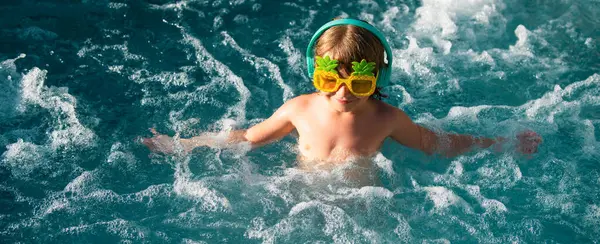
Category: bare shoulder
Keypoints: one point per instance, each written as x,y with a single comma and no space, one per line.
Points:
301,100
298,102
296,105
392,117
387,111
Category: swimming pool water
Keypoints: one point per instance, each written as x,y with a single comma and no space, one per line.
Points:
81,80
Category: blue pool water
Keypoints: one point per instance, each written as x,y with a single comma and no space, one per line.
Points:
82,79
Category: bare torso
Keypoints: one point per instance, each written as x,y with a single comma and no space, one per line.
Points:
331,137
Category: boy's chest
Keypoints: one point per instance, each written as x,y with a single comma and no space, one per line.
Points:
363,135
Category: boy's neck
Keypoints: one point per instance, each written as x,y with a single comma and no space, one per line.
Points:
359,110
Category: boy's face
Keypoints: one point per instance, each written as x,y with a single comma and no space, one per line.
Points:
343,100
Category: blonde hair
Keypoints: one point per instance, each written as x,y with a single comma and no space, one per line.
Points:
348,43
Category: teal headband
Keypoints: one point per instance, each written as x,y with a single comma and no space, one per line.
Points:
384,73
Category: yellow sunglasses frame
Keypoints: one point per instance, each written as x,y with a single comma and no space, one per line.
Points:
347,81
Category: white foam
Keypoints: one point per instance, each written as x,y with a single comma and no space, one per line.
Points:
442,44
256,7
152,191
31,87
436,241
222,74
414,60
116,68
531,227
311,203
589,140
406,97
178,5
295,58
403,229
188,241
35,33
9,79
592,84
25,158
211,200
455,172
104,196
55,205
434,15
96,50
117,5
370,192
560,197
484,57
172,79
279,186
302,206
490,205
8,68
119,227
371,4
217,22
366,16
592,216
384,163
84,189
553,102
240,19
68,131
469,113
501,173
74,136
441,197
259,63
125,230
443,21
589,42
336,221
80,183
456,168
522,47
391,15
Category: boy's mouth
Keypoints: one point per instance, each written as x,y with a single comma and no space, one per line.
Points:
344,101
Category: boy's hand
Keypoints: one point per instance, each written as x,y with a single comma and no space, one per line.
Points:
528,142
159,143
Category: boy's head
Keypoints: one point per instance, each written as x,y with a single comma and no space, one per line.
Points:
347,41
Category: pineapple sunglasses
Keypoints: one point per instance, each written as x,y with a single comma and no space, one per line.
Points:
324,80
362,82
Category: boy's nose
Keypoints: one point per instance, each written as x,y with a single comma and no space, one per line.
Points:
343,90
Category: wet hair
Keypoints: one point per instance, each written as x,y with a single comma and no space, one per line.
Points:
348,43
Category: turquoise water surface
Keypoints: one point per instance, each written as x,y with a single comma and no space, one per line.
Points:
81,80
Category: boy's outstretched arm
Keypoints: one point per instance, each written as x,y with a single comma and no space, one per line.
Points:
407,133
273,128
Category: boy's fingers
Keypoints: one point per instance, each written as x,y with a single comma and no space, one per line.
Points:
154,132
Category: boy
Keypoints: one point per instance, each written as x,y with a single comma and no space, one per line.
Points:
345,120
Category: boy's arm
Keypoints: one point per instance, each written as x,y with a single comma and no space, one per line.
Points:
407,133
273,128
